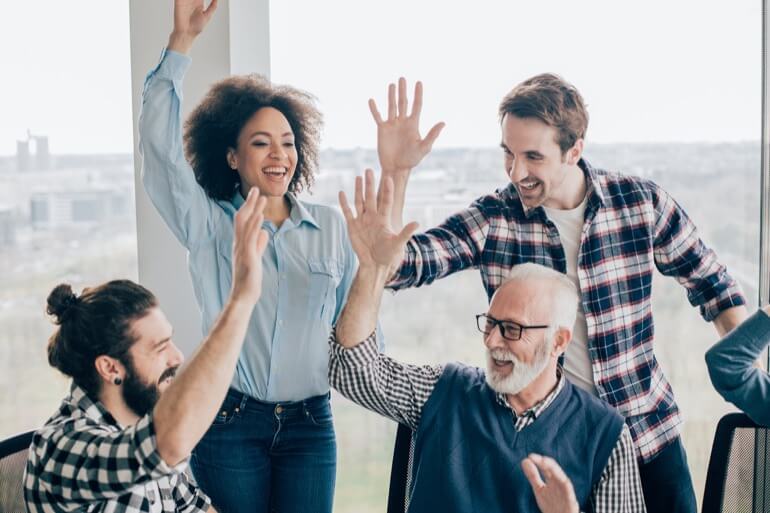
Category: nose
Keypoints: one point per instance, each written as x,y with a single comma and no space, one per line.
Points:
518,171
176,358
277,152
495,339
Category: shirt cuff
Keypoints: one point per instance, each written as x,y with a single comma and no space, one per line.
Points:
359,355
727,299
146,450
403,277
173,65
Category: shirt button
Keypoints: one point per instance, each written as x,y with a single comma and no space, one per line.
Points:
280,321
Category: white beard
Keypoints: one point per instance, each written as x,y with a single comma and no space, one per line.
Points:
521,374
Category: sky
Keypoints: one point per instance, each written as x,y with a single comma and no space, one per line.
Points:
655,71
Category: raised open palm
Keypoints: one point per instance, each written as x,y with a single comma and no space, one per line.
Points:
191,16
399,145
370,230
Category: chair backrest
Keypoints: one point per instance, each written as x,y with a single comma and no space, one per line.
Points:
401,470
13,459
738,477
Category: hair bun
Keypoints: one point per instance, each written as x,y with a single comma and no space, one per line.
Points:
61,302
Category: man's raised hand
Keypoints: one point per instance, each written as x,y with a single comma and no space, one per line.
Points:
399,144
370,230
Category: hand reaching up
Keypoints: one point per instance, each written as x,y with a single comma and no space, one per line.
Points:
371,234
399,144
190,18
249,243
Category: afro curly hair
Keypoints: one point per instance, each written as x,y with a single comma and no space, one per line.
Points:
213,128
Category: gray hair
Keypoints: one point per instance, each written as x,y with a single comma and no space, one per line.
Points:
564,295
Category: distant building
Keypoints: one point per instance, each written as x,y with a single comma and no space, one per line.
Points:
79,208
42,160
7,227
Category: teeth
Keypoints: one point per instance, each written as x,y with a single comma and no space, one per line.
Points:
275,170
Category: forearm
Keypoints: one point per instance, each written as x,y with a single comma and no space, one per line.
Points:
166,175
400,180
729,319
359,317
378,383
730,364
185,411
181,42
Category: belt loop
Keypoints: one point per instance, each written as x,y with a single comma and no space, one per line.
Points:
243,401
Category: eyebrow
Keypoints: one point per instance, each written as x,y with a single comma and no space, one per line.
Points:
267,134
159,343
528,152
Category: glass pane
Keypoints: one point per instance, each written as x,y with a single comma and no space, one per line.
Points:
66,182
668,101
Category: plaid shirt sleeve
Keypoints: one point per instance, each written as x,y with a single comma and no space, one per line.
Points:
379,383
680,253
452,246
88,463
619,489
188,497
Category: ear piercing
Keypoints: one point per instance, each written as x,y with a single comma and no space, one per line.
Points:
117,380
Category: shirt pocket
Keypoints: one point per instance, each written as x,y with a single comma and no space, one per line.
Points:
325,276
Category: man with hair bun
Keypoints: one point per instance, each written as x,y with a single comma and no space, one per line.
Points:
120,440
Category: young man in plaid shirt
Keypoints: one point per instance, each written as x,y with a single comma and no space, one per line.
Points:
606,231
121,439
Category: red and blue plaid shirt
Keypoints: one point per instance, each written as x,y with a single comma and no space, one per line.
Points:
631,225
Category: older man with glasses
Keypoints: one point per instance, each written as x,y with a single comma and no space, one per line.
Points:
517,436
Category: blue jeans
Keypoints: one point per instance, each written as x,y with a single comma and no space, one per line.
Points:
268,457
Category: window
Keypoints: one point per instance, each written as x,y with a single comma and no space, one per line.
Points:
668,100
66,182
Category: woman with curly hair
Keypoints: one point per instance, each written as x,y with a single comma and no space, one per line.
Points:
272,445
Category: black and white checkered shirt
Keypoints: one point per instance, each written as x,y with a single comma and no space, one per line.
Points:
83,460
399,391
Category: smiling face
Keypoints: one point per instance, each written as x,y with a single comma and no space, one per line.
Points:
536,166
513,365
152,362
266,156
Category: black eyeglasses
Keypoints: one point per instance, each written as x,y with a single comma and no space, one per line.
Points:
508,329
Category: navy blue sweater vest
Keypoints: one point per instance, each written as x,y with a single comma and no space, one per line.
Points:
468,453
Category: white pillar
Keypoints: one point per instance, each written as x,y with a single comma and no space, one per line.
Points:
235,42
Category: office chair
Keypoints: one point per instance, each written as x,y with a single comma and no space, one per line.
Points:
738,477
13,459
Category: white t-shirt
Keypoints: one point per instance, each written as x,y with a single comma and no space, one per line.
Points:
577,362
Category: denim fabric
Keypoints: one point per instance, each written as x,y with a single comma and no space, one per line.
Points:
259,457
308,265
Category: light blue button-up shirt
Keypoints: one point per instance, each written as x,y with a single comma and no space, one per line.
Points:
308,264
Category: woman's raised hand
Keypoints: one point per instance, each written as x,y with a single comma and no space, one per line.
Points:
190,18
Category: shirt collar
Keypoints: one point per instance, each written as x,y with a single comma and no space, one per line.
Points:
298,214
594,193
535,411
94,410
